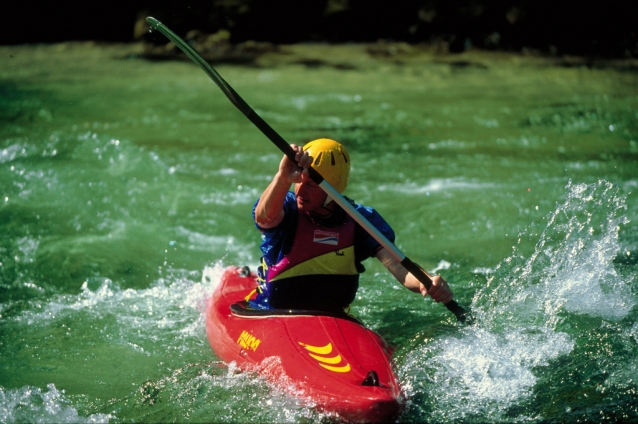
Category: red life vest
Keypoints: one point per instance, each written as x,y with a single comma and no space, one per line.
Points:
318,250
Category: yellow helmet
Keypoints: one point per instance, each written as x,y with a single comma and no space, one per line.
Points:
331,160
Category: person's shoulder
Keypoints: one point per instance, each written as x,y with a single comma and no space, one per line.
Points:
290,209
371,214
363,209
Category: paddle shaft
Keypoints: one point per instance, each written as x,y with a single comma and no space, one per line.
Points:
269,132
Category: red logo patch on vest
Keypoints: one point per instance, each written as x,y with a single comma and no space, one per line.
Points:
326,237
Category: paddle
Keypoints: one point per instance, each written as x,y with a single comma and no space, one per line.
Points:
462,314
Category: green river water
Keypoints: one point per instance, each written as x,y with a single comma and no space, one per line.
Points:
126,186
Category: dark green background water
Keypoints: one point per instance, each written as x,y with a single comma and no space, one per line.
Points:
126,186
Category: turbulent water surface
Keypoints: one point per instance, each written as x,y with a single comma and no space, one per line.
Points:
126,186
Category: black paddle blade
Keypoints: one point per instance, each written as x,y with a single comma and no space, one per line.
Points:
463,315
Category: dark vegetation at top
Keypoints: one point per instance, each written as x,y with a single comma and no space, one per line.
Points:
605,29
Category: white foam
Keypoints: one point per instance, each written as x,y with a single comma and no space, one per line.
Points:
441,266
32,404
483,372
170,311
435,185
487,368
12,152
241,196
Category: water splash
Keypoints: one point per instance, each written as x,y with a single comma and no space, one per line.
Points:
151,329
556,281
99,296
479,374
154,330
571,269
217,391
31,404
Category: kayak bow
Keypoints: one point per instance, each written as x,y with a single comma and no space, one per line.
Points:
332,360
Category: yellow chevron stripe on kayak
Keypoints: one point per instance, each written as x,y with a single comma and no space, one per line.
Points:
344,368
323,360
322,350
333,360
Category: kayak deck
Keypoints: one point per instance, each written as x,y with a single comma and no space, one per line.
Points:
332,359
243,309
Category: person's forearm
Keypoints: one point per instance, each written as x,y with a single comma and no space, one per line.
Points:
270,208
439,289
399,272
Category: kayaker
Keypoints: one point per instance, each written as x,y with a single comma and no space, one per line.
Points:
312,249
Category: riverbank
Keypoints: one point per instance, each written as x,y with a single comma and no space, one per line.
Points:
360,56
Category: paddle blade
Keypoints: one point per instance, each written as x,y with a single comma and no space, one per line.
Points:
463,315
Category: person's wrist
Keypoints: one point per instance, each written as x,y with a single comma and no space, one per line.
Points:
283,179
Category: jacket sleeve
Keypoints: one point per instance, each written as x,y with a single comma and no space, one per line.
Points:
366,246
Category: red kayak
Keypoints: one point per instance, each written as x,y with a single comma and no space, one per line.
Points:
333,361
